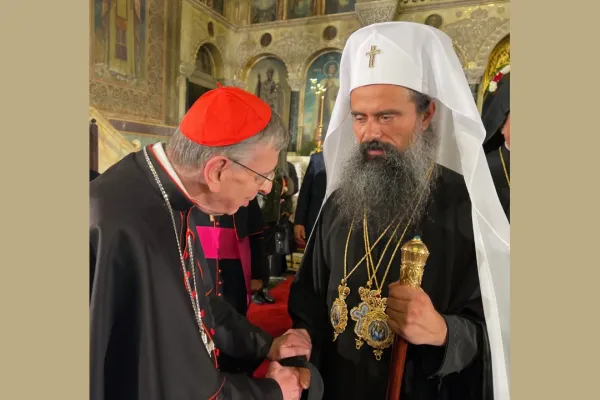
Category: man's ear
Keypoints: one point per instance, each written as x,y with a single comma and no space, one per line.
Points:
428,116
213,172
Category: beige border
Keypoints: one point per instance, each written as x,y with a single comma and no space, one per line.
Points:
44,103
554,213
45,283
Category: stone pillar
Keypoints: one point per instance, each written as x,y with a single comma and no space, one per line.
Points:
474,76
186,69
374,11
295,84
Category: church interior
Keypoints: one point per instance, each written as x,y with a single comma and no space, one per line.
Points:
151,59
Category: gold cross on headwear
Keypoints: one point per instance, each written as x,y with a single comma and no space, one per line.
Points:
372,53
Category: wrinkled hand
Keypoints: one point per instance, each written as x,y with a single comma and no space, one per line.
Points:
300,234
291,381
413,317
295,342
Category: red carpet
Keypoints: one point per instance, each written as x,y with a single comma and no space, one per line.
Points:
273,318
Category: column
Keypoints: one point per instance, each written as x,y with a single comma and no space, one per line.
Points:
295,85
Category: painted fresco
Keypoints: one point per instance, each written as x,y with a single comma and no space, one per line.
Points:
268,80
339,6
324,71
119,38
263,11
300,8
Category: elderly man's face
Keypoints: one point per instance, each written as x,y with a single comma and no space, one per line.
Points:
386,114
241,183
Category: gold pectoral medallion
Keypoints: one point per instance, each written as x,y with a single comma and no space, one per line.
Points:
371,322
338,315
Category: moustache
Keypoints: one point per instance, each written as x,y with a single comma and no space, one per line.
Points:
377,146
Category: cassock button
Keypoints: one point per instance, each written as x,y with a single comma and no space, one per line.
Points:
212,332
201,313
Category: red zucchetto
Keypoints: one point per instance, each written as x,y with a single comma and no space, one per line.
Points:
225,116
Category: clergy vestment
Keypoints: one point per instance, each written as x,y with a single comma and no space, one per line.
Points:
145,342
234,250
500,176
312,193
495,113
458,370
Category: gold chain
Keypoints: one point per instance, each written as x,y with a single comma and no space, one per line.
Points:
504,166
347,275
371,268
373,276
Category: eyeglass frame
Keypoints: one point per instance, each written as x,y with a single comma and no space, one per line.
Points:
273,182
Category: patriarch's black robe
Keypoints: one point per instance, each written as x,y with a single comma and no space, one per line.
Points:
499,176
460,370
144,339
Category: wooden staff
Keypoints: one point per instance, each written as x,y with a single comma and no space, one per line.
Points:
414,257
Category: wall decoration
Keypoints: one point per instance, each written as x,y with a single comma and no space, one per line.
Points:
300,8
263,11
320,92
339,6
129,58
218,6
265,39
434,20
120,38
204,61
268,80
329,33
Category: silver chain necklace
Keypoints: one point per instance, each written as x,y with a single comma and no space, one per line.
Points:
208,343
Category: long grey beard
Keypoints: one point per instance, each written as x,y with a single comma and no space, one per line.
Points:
395,185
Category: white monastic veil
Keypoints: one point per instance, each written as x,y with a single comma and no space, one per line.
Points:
422,58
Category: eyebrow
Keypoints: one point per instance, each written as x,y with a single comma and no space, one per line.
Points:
378,113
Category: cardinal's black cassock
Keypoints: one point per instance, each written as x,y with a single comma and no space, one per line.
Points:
461,369
145,342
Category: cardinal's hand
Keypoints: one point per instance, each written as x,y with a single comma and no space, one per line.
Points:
413,317
295,342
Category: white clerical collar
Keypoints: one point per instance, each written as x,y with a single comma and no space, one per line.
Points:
506,145
164,160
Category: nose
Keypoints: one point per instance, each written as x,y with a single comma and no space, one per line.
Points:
370,131
266,187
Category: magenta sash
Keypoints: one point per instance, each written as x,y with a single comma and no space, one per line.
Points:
223,244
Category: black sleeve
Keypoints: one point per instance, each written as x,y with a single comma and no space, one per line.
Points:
110,281
113,264
304,197
294,178
307,304
236,336
464,317
241,387
256,237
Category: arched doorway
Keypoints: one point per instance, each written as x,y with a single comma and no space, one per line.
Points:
204,77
